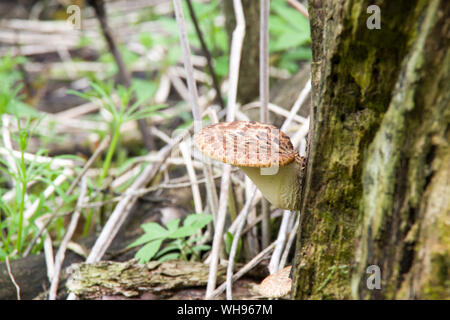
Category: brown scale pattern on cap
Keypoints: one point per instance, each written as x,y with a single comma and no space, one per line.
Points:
246,144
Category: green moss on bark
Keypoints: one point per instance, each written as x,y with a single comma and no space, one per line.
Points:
355,71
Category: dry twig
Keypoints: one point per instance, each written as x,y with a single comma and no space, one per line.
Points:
289,242
242,219
275,259
300,7
235,58
250,265
264,97
59,258
88,164
193,95
11,276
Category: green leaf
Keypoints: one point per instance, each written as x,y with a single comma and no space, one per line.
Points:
229,242
173,55
144,89
288,28
203,247
170,256
153,231
22,109
173,224
197,219
146,253
221,66
191,225
290,16
288,39
145,38
170,247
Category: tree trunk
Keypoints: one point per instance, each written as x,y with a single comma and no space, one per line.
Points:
377,186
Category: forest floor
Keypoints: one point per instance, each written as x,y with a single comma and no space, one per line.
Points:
79,153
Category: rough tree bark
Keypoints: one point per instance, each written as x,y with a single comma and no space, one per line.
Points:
377,187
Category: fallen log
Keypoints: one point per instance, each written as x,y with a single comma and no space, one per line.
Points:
130,279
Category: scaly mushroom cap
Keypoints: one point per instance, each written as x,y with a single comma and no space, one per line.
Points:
276,285
246,144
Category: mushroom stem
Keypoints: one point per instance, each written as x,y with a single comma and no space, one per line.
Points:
280,185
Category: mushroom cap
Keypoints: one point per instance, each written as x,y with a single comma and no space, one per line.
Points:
246,144
276,285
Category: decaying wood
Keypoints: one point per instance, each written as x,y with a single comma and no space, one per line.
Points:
130,279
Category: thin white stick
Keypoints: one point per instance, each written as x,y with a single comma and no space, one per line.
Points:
289,242
252,240
67,172
256,198
197,75
236,48
185,152
300,7
59,258
11,276
123,208
275,109
275,260
253,222
78,111
300,135
163,91
298,103
218,233
235,58
69,191
250,265
9,196
67,63
242,219
55,163
241,116
8,145
264,60
193,95
264,97
178,84
211,193
29,212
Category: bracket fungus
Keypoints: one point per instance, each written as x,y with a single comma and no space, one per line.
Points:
263,152
276,285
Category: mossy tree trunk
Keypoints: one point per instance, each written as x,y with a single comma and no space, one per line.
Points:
377,186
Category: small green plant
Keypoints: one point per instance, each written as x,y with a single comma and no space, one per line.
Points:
229,241
121,111
182,239
20,177
123,105
10,99
21,173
